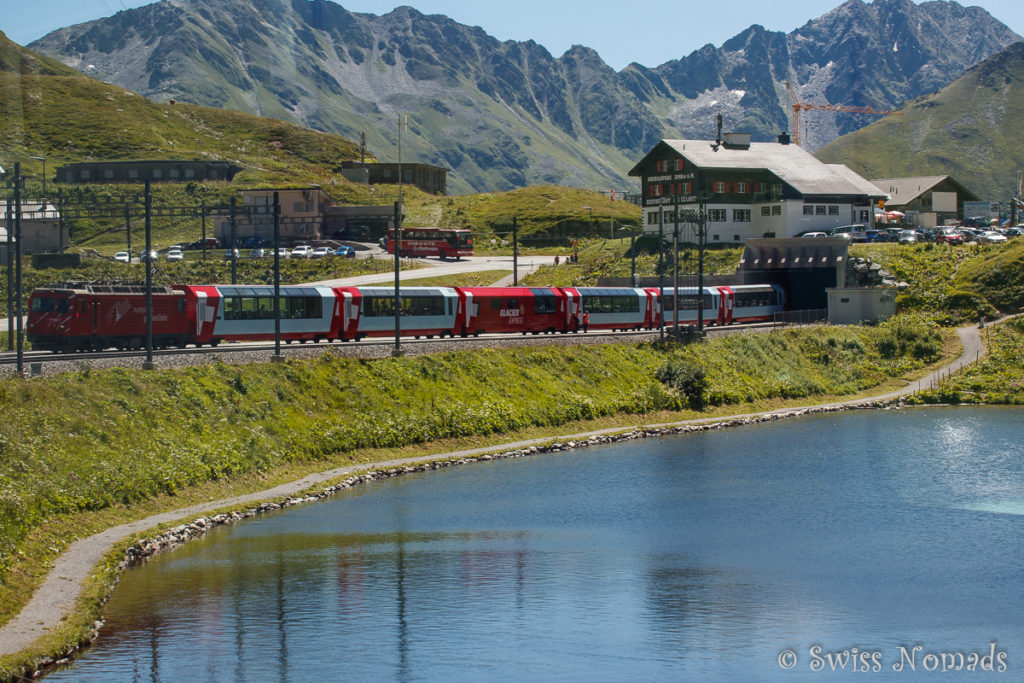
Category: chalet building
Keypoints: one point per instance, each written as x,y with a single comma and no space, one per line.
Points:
749,189
430,179
157,171
926,201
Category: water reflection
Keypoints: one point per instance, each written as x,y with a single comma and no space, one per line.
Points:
695,557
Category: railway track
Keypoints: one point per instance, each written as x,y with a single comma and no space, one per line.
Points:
46,362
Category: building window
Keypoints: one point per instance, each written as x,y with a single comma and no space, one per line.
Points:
776,210
808,210
760,187
133,173
735,238
766,211
833,211
656,190
715,237
719,186
158,173
819,211
863,216
84,174
190,173
741,188
741,215
717,215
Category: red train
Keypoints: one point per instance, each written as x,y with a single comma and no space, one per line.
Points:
84,317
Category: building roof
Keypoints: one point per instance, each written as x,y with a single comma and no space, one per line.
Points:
32,211
791,163
905,190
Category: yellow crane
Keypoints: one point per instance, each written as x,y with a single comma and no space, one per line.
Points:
799,106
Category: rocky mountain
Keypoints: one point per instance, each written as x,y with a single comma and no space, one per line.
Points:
505,114
971,129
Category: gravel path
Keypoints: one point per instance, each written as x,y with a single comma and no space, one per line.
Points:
56,597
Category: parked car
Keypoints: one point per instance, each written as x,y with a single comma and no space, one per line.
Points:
302,251
259,252
876,236
282,252
208,243
320,252
148,256
814,234
346,251
908,237
1013,232
123,257
949,236
231,254
991,237
175,255
854,233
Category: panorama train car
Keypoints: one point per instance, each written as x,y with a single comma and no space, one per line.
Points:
722,305
754,303
96,316
246,313
527,310
615,308
423,311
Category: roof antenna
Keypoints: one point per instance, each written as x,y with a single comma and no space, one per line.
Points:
718,137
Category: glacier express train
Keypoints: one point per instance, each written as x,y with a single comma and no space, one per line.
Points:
95,316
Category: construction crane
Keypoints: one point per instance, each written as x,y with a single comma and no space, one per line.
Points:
799,106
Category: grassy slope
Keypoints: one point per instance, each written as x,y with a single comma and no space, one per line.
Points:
970,130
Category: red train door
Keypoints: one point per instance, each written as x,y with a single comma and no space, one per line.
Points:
728,303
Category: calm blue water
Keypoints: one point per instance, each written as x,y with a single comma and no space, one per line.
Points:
699,557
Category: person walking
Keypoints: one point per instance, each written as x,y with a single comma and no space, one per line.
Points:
586,321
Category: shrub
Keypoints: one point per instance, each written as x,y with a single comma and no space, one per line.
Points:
687,378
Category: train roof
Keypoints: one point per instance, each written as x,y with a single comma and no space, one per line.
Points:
268,290
108,287
407,291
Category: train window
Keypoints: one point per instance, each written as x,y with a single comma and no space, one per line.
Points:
232,308
545,304
265,308
626,304
378,306
495,303
512,303
43,304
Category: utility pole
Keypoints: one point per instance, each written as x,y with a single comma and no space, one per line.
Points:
661,268
10,275
515,252
675,269
18,306
234,241
397,351
277,280
147,263
60,219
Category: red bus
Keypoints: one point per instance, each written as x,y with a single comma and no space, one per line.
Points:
441,242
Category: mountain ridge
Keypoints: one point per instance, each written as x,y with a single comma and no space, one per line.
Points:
504,114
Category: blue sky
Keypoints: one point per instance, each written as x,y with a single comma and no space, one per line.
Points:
620,31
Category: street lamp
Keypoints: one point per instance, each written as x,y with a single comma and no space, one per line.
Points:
42,159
